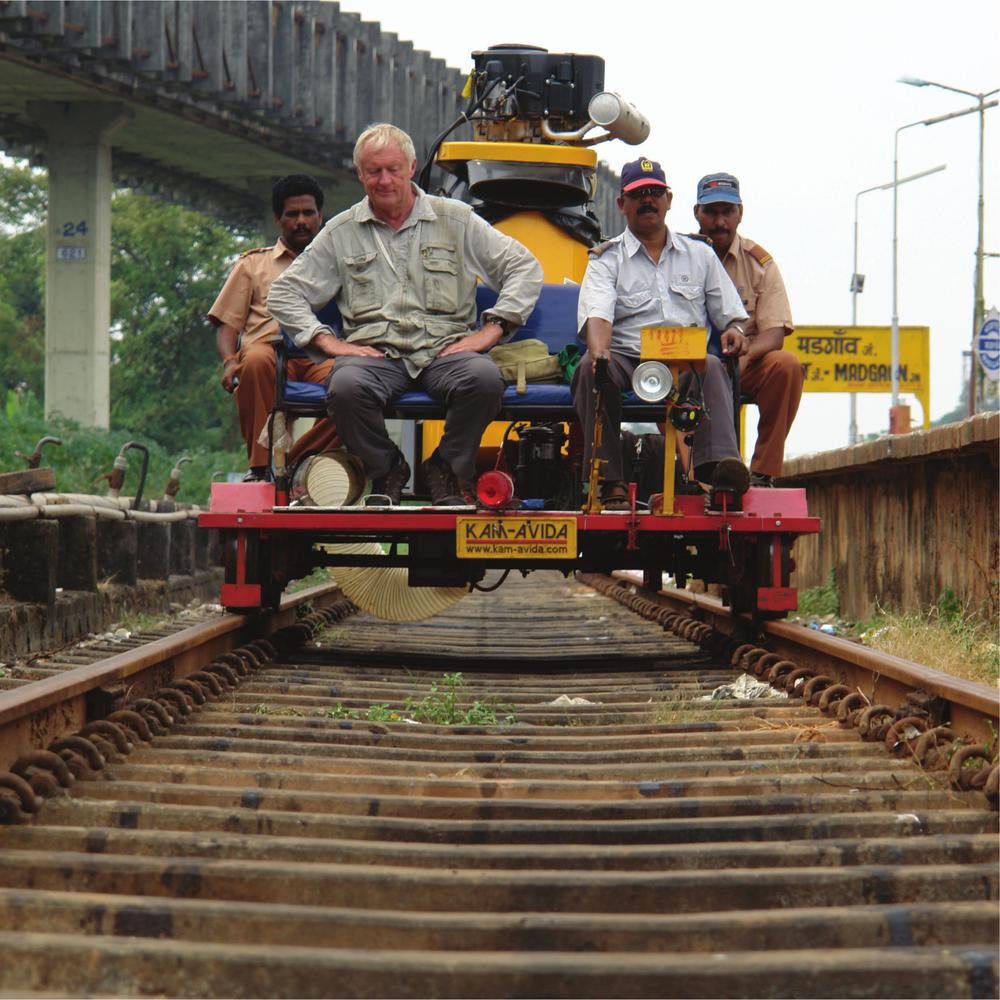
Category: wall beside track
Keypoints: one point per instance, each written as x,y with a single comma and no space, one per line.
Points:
63,577
904,518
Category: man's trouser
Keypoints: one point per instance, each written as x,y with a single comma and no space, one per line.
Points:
467,384
774,383
255,369
714,438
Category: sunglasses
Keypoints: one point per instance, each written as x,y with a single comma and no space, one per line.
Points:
653,191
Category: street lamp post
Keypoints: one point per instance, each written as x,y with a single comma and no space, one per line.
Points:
979,305
857,280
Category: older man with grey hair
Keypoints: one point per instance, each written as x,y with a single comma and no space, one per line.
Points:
402,266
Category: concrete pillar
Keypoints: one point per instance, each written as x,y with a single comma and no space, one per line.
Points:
78,256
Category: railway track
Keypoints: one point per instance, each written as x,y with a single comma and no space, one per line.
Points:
618,833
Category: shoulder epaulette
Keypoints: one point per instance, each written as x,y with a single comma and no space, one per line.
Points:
700,237
246,253
759,254
596,251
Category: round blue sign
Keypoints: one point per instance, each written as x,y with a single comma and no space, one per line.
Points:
988,345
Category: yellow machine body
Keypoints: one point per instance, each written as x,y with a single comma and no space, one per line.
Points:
563,258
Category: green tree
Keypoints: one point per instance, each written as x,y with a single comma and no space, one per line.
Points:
167,266
23,197
22,311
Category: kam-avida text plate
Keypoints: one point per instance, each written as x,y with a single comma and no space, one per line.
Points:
531,537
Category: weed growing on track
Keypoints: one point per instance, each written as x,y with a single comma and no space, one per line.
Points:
139,621
443,706
674,711
821,601
945,637
264,709
375,713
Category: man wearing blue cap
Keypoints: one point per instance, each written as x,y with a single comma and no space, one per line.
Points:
650,276
769,376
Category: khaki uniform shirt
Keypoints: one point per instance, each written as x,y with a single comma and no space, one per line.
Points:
409,292
759,285
242,303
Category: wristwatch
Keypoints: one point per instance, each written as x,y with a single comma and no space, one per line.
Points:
488,317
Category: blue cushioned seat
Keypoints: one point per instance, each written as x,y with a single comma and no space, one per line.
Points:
553,321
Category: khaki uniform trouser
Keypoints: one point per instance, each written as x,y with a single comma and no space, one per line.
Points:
255,368
774,383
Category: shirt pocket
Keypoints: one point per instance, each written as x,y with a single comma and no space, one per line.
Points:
692,293
360,283
440,265
632,302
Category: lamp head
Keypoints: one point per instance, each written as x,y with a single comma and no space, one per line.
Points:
652,381
913,81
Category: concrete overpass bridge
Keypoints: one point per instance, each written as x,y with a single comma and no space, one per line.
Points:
197,101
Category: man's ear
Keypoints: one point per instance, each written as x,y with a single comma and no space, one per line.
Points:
620,201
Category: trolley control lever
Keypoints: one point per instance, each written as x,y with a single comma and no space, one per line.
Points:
601,380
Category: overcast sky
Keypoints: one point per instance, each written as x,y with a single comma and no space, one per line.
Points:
799,100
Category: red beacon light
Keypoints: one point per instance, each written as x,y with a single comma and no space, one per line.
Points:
495,489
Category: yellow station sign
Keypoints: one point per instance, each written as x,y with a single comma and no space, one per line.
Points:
859,359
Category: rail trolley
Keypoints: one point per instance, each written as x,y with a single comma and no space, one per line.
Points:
530,171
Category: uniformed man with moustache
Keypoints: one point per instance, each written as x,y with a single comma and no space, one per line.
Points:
769,376
652,276
246,330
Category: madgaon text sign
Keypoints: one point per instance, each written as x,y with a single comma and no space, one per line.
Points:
859,359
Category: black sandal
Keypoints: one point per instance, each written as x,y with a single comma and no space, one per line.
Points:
614,497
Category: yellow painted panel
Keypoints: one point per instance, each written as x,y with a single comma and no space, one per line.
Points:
518,152
859,359
673,343
560,255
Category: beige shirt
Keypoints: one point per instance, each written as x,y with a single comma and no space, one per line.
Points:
410,292
758,282
242,303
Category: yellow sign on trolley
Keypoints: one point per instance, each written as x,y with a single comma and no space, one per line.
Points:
525,537
673,343
859,359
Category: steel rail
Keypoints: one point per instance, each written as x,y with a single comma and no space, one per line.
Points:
316,830
973,706
33,715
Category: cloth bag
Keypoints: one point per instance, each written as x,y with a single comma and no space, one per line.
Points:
523,361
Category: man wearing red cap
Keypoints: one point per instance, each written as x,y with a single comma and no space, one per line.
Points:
769,376
650,276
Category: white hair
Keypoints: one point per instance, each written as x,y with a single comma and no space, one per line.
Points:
377,137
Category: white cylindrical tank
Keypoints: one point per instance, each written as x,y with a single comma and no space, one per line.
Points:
622,120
